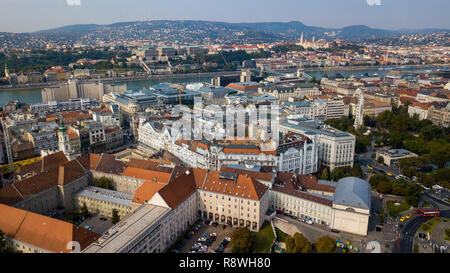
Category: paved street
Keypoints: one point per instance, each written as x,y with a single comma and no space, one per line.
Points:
405,242
313,232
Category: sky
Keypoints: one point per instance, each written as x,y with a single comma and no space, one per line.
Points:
33,15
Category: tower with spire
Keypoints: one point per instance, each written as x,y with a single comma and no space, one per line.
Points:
359,119
63,138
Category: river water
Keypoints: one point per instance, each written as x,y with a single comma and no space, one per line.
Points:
34,95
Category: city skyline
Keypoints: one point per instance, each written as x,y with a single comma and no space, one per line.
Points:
399,14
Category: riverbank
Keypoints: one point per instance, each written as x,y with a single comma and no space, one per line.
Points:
216,74
127,79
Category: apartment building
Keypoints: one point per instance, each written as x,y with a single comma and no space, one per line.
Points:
336,148
286,91
204,154
298,154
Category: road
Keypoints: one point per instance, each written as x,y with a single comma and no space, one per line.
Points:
404,244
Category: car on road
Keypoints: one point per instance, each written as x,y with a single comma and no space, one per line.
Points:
335,230
309,222
402,219
408,216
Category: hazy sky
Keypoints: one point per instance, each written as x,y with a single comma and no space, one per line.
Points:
32,15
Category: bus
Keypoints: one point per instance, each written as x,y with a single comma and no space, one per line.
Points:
428,212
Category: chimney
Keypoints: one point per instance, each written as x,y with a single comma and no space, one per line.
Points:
61,175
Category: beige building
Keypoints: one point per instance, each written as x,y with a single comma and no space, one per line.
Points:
233,199
392,157
102,201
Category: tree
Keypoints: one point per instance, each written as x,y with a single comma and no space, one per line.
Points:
377,179
297,243
290,245
384,187
324,175
301,243
357,170
339,173
115,217
104,182
413,194
243,239
325,244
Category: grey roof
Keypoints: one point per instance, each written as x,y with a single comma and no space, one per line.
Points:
353,192
106,195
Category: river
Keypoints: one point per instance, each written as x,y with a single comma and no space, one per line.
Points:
33,95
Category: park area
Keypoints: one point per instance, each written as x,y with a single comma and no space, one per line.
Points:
394,208
264,239
429,225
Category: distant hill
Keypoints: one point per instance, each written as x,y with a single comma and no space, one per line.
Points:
197,32
70,28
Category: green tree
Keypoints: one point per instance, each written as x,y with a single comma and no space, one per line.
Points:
339,173
325,244
324,175
115,217
104,182
301,243
290,244
242,238
377,179
413,194
357,171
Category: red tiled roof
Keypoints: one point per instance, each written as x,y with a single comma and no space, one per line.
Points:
42,232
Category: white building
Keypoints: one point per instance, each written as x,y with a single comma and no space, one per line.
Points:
336,148
298,154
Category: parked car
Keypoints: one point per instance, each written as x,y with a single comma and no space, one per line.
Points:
335,230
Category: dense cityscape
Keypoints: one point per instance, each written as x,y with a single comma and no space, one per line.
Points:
205,137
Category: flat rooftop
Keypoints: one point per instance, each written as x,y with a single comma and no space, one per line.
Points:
120,235
106,195
313,127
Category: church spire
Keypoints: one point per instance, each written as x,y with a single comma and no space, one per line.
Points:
62,127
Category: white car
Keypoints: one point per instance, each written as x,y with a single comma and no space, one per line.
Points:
228,239
309,222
